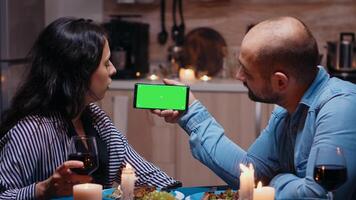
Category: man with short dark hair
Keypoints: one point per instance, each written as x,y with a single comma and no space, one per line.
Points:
278,64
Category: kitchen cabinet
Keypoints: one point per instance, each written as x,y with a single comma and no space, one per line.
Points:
166,145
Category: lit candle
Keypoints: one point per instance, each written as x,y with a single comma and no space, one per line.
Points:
153,77
128,179
87,191
186,75
205,78
247,179
263,193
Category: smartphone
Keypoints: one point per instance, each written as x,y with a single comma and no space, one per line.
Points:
159,96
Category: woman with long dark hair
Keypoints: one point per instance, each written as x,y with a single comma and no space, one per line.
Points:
70,69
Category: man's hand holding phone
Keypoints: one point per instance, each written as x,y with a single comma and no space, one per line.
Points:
172,116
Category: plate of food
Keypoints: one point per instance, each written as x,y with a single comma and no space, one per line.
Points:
228,194
141,193
144,193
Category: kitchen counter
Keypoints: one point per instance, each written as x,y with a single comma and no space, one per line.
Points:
214,85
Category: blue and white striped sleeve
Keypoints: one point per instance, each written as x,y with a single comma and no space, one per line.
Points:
16,164
122,152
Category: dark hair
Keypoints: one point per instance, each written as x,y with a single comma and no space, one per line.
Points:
204,50
63,58
297,58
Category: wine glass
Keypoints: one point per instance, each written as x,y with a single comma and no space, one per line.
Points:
84,148
330,168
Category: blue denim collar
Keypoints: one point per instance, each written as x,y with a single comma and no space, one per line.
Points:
321,78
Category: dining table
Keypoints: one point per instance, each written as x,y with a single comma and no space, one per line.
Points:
180,193
184,193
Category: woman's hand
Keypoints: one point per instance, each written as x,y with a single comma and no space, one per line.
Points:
172,116
62,181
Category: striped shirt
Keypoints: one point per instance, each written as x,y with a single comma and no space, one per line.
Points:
32,150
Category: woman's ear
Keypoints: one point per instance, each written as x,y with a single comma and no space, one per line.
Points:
279,81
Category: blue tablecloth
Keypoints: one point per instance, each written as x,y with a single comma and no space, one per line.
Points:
192,190
185,190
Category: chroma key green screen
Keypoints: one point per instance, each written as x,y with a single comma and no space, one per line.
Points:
158,96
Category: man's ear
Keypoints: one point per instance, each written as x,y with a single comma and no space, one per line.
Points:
279,81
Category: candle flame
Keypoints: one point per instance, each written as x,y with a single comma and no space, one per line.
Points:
250,166
128,169
153,77
259,185
244,168
128,166
205,78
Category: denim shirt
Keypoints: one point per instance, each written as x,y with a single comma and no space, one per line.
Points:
325,116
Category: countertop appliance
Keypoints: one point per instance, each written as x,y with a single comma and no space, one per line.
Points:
341,57
129,47
20,23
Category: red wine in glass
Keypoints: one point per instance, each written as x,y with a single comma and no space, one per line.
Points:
330,168
84,148
330,177
89,160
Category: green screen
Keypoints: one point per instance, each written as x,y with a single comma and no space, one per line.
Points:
161,97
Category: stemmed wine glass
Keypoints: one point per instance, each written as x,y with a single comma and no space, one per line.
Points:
330,168
84,148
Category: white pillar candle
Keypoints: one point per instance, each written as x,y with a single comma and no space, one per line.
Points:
128,179
186,75
263,193
87,191
247,179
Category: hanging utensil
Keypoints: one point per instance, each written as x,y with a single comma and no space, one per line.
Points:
181,27
178,31
163,35
175,28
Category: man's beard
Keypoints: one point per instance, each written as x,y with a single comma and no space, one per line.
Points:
272,98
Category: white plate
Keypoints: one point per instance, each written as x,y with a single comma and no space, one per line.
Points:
178,195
